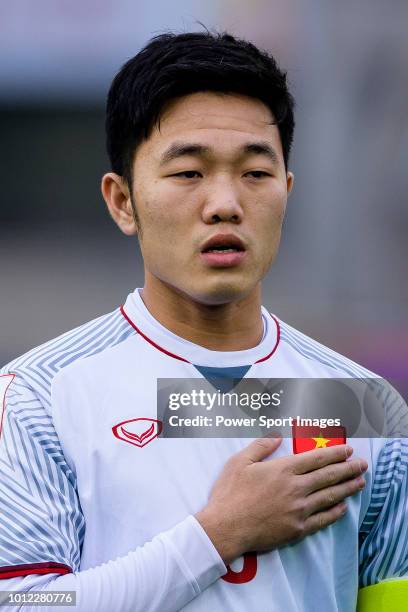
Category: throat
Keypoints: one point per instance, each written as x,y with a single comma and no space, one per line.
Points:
236,326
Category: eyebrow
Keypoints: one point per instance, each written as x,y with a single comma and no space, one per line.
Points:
184,149
261,148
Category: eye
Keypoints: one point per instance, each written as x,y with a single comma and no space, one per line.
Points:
188,174
257,174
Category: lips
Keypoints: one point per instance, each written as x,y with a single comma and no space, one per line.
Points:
222,243
223,251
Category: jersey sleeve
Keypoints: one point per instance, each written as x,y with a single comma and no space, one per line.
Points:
384,530
42,527
41,523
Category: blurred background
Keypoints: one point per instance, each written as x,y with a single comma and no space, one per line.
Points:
341,275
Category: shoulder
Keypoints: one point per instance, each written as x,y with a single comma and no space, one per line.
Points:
36,369
324,357
379,395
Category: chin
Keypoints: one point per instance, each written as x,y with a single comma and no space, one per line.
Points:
222,293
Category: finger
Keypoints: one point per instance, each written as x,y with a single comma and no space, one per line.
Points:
333,474
320,457
323,519
331,496
259,449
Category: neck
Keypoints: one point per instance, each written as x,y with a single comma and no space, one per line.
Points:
235,326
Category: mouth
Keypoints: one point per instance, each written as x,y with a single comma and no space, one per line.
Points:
223,250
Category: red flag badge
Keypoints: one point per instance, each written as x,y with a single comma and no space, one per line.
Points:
307,437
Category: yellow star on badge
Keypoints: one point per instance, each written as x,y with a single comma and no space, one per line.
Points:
320,441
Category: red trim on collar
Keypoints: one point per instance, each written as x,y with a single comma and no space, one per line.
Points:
277,340
166,352
163,350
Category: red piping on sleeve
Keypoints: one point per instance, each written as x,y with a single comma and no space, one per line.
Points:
11,571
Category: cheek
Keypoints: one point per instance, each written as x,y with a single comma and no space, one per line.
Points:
267,232
269,219
162,229
153,209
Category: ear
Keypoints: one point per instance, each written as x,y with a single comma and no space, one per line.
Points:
116,194
290,178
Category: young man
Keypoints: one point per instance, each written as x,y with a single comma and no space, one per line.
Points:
199,131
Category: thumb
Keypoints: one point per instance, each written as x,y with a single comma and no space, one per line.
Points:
260,449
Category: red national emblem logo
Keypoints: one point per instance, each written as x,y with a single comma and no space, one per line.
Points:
138,432
307,438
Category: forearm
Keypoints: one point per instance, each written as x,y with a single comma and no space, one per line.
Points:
163,575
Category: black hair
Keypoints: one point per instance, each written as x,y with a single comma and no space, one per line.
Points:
172,65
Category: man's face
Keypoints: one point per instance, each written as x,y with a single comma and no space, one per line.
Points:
210,189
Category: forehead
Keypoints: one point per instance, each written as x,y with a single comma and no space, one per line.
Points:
216,120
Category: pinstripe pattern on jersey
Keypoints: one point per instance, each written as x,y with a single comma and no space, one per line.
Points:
41,364
40,515
313,350
395,409
384,531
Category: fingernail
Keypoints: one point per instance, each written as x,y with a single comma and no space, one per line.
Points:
349,451
363,465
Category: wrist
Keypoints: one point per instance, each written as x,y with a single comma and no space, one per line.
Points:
220,533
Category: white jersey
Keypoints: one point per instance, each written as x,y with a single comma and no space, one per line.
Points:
89,505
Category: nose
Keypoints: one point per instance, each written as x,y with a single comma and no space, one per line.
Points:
222,203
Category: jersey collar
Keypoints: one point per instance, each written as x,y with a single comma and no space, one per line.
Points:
153,332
